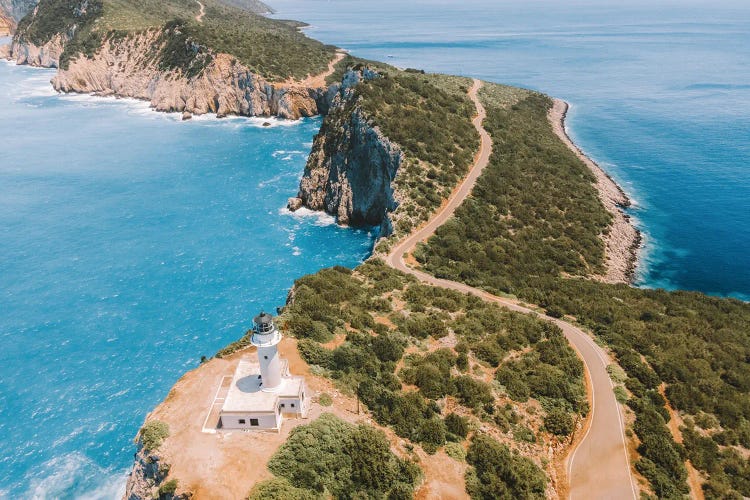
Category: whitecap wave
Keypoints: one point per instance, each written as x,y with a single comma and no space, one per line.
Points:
75,475
320,219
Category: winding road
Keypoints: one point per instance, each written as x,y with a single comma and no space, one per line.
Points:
598,467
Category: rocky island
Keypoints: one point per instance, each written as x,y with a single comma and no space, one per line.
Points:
456,373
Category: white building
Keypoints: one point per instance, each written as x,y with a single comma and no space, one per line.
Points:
263,392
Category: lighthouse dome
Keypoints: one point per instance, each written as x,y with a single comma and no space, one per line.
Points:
264,331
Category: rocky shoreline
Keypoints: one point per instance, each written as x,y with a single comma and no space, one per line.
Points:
122,67
623,242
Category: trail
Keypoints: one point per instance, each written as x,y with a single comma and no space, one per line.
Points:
319,80
598,467
202,13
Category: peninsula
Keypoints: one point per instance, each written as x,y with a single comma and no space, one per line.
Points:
460,359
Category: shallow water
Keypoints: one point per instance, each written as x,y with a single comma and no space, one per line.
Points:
132,243
660,95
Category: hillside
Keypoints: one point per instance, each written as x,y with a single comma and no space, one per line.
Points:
269,48
538,243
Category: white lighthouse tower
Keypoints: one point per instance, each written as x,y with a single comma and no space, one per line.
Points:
263,393
265,338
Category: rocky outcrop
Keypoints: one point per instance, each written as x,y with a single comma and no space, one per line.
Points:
352,165
127,67
7,25
45,56
149,472
16,9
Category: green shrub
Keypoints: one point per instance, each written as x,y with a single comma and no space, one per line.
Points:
280,489
457,424
498,473
168,489
559,422
153,433
455,451
325,399
332,456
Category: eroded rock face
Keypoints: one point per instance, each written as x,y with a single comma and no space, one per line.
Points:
45,56
147,474
352,165
125,67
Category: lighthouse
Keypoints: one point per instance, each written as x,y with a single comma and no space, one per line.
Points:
263,393
266,337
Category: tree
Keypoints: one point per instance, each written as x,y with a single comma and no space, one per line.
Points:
559,422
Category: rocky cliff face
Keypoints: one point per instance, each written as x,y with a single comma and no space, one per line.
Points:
352,165
16,9
45,56
127,67
146,475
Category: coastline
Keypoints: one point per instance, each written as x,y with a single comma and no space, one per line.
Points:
623,242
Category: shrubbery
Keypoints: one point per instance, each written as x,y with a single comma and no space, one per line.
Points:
332,457
498,473
533,221
153,433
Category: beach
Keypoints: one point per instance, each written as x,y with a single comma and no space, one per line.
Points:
623,240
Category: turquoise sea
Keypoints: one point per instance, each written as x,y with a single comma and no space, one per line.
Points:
660,95
133,243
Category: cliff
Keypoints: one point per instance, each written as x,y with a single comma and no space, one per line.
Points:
147,474
46,55
126,67
352,165
12,11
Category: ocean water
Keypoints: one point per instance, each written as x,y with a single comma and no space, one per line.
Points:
660,95
131,243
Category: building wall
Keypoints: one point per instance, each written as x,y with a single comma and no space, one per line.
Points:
288,402
265,420
270,366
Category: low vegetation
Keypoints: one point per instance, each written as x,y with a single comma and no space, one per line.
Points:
532,229
332,458
497,472
273,49
412,351
153,433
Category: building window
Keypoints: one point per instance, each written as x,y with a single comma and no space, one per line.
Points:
242,420
292,405
283,405
265,357
254,422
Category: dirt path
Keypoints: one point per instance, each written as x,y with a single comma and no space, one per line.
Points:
202,13
315,81
599,466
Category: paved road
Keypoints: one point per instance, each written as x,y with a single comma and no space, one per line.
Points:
599,467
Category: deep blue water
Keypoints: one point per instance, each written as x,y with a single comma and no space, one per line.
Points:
660,95
131,244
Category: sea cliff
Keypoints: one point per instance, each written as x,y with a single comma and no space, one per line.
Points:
126,67
352,165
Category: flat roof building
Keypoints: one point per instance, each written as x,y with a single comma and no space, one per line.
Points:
263,392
